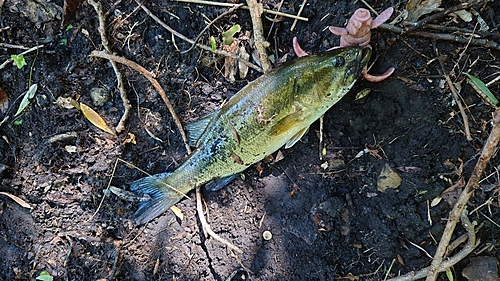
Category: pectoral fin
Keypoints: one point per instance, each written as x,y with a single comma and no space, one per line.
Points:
288,122
296,137
195,130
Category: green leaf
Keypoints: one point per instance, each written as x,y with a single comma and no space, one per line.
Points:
26,99
227,36
449,274
45,276
18,122
212,43
482,90
18,60
70,26
64,42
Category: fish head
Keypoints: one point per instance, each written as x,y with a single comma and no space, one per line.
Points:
334,73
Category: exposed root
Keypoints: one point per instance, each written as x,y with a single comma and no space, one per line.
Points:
207,230
123,94
466,250
472,184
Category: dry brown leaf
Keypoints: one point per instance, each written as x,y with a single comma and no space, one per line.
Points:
18,200
418,8
4,101
95,119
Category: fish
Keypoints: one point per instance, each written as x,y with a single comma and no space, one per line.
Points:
273,111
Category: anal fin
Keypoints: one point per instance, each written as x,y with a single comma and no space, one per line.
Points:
219,183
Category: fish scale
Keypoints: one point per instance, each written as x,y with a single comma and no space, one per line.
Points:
274,110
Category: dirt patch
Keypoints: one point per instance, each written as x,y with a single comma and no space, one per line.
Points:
327,218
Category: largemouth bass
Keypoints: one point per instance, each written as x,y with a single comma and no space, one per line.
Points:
274,110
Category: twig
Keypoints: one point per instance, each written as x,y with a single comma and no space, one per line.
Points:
258,34
472,184
7,61
206,227
123,94
441,14
443,36
12,46
156,85
210,24
243,7
298,14
466,250
455,96
207,48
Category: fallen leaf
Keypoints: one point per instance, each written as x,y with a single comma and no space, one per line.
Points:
451,194
464,15
18,200
130,139
4,101
418,8
128,195
66,103
26,99
482,90
177,212
95,119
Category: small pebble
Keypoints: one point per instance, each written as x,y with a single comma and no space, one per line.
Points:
267,235
99,96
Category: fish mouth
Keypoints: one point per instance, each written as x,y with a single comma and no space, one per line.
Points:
356,67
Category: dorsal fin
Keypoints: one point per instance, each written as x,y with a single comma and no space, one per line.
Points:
195,130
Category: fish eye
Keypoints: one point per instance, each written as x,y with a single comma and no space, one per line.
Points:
338,61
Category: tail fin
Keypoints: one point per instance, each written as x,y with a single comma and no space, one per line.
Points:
162,197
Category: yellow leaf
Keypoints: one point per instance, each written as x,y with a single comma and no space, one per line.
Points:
177,212
95,119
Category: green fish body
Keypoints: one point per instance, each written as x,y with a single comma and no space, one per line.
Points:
274,110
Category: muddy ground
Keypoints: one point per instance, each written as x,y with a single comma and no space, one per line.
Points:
327,217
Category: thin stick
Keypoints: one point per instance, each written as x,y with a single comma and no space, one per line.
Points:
210,24
472,184
455,96
11,46
243,7
206,227
7,61
207,48
298,14
123,94
442,36
258,34
156,85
